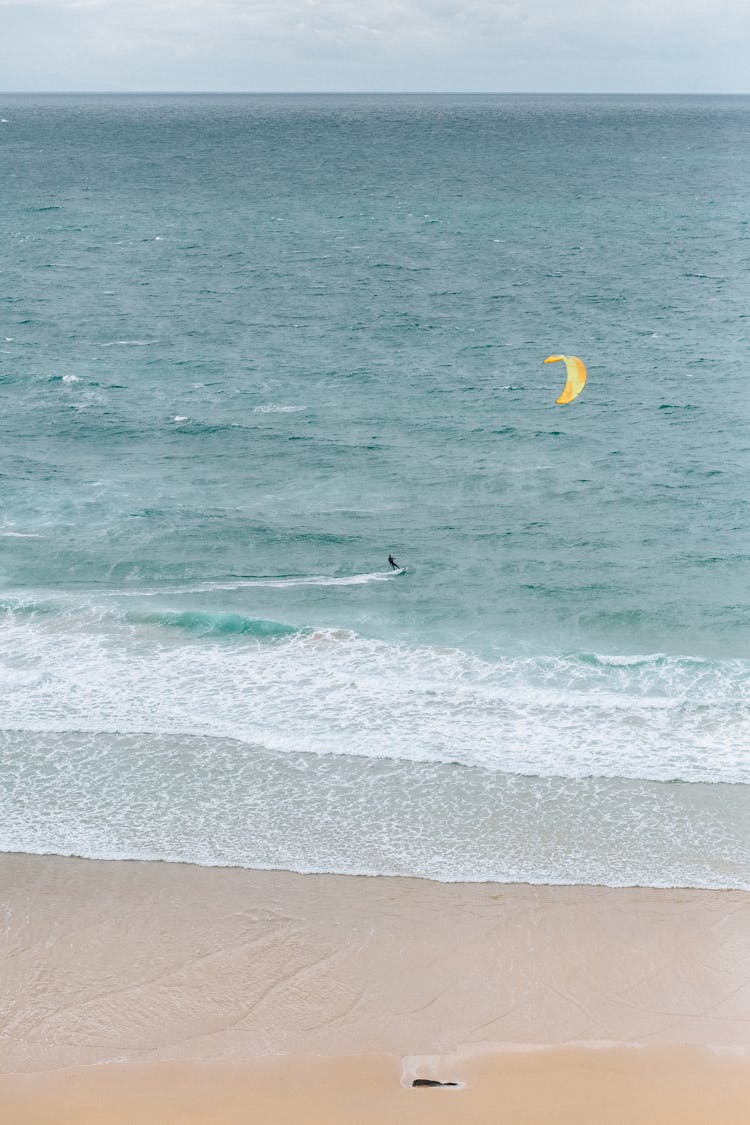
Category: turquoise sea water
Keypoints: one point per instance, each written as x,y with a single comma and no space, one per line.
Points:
249,345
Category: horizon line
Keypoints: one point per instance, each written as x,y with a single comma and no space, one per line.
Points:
392,93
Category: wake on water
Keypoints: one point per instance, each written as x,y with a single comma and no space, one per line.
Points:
274,582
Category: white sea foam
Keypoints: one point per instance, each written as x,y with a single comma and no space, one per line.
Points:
127,343
219,802
70,379
333,691
277,408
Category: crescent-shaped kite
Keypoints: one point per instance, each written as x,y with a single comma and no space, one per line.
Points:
576,376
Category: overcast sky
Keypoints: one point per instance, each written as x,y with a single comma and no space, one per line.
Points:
410,45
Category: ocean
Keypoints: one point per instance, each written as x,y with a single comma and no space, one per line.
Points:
250,345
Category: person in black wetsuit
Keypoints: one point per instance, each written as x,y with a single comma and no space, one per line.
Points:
393,563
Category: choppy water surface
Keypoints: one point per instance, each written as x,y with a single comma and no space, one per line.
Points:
251,345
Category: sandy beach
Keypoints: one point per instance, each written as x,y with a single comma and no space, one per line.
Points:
152,992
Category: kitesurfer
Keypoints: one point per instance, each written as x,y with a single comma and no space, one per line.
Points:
393,563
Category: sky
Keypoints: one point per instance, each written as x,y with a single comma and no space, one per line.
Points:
623,46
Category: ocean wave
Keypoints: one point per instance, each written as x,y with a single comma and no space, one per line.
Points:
652,660
333,691
215,624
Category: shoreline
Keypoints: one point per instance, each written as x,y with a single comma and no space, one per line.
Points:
323,873
132,979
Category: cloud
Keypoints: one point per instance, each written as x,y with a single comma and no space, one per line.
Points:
375,44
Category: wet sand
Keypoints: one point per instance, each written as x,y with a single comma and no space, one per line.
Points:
139,992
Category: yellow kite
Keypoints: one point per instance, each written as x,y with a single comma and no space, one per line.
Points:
576,376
